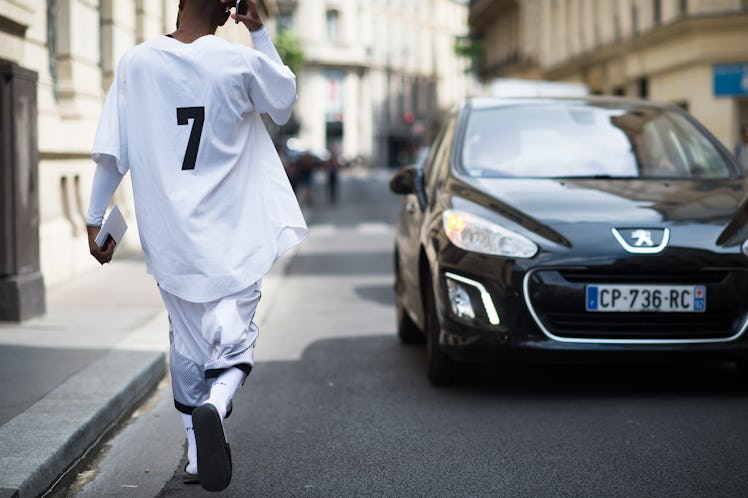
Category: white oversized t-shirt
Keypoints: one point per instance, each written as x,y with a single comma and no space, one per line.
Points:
213,203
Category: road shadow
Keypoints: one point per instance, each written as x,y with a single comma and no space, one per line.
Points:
341,263
523,379
623,379
380,294
356,416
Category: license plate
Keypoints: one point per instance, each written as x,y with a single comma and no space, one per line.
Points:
658,298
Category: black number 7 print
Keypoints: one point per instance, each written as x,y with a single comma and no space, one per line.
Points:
184,114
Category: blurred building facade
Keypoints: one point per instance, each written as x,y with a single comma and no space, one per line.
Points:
693,53
377,73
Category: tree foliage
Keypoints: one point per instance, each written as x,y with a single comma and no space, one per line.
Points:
290,51
470,47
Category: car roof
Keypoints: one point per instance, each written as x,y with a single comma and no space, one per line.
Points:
491,102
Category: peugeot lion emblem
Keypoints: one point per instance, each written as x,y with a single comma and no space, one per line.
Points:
642,240
642,237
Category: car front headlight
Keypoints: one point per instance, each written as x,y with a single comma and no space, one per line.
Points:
473,233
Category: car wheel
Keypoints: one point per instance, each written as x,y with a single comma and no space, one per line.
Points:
440,368
407,330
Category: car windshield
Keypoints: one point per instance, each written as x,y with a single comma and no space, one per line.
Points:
577,139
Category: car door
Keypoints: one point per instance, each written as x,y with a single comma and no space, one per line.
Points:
414,209
408,230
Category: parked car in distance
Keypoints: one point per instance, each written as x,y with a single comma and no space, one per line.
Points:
586,228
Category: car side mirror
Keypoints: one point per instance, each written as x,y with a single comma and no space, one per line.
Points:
407,180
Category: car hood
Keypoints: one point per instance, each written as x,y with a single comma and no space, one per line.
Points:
555,203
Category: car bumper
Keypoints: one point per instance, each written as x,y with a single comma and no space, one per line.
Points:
462,343
525,334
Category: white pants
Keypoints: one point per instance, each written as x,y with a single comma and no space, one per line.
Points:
207,338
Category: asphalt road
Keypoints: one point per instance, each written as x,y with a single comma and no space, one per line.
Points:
337,407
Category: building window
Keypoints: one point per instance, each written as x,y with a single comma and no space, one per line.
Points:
643,88
634,19
140,21
616,27
595,24
334,101
107,54
331,21
52,42
102,24
657,11
684,7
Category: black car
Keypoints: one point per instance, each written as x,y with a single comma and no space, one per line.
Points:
572,229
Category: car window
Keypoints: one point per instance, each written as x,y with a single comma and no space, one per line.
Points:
429,162
440,159
587,140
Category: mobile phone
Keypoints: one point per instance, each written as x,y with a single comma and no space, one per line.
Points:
106,242
241,8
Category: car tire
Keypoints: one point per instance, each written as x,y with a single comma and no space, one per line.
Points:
440,368
407,330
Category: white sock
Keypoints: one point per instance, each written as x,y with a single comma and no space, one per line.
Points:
191,445
223,389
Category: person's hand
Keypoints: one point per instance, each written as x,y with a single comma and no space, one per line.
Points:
251,19
102,256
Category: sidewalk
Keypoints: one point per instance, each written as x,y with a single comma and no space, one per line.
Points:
75,371
71,374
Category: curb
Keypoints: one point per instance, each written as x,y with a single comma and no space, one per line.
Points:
43,442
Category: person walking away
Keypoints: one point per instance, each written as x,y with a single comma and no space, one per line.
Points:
333,164
213,205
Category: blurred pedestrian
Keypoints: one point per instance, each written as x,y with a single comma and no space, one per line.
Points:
213,204
332,165
289,166
741,149
305,165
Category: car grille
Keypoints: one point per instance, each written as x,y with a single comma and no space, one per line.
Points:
701,278
643,325
556,299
